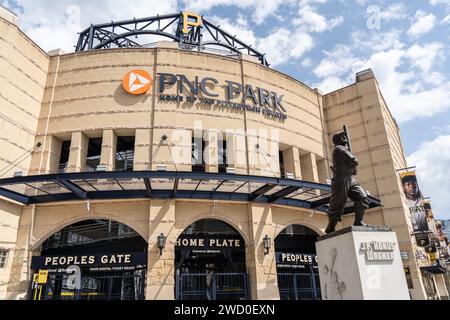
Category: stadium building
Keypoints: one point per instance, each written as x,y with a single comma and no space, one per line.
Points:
182,168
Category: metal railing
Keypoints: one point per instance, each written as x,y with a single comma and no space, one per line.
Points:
299,286
212,286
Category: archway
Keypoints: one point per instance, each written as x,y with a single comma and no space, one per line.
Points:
297,269
91,260
210,263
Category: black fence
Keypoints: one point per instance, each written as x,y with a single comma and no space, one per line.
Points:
299,286
212,286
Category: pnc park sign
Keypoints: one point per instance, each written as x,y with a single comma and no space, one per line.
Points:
205,91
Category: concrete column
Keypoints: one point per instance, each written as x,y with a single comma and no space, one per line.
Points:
109,148
309,167
323,170
46,159
262,268
142,150
161,270
237,152
78,152
175,152
20,278
292,162
211,155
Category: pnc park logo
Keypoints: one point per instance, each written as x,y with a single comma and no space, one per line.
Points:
137,82
203,91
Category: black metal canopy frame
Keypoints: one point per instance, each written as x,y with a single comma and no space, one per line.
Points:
170,185
125,34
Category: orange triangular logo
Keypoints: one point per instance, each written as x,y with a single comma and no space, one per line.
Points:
137,82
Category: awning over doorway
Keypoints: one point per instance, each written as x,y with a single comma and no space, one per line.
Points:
170,185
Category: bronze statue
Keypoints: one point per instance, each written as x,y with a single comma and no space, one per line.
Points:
344,185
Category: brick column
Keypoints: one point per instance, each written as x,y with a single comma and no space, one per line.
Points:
109,148
20,278
262,268
237,157
142,150
292,162
78,152
161,270
323,170
211,152
46,159
309,167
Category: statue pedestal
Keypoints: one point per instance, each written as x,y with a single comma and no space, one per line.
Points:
361,263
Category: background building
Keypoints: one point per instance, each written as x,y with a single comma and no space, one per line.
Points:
158,198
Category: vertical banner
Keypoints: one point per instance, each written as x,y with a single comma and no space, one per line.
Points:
414,201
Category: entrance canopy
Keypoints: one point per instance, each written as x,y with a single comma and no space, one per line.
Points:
170,185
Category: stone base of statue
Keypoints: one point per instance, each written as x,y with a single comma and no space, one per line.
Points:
361,263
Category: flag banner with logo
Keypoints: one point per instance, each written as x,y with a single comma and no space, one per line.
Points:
414,201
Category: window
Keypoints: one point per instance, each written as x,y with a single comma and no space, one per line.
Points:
3,258
64,158
223,155
282,170
125,153
94,154
198,147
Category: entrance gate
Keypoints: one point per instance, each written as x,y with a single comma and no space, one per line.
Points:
212,286
101,286
210,263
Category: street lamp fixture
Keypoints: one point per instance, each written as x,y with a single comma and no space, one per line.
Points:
161,243
267,244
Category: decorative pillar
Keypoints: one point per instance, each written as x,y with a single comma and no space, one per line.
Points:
323,170
309,167
211,152
46,159
142,150
109,148
20,279
78,152
292,162
262,268
236,148
161,269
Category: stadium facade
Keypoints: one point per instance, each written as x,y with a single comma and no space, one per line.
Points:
170,171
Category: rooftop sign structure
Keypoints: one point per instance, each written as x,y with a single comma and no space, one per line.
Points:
190,30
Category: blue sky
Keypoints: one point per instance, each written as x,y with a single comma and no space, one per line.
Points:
320,42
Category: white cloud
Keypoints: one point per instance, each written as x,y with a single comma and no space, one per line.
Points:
423,23
310,20
432,160
239,28
54,24
377,41
260,10
446,20
406,92
436,2
283,45
410,86
395,11
425,56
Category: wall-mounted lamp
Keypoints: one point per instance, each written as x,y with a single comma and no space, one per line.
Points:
267,244
161,243
164,138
